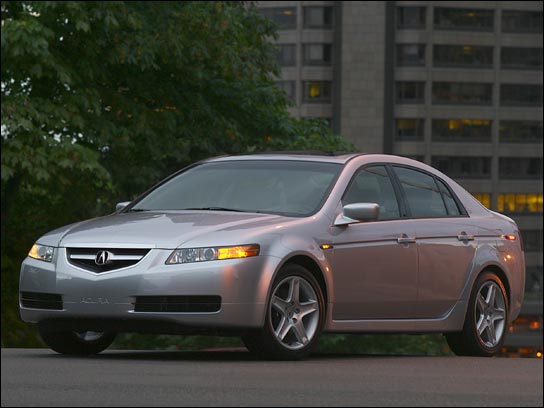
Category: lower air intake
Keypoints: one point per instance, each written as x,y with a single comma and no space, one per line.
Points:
178,304
34,300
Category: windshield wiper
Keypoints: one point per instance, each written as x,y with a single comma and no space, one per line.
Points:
137,210
214,209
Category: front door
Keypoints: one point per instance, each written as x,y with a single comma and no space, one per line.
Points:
375,263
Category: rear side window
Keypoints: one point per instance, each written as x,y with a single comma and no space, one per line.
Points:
373,185
451,205
422,194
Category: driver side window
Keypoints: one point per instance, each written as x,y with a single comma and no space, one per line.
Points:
372,185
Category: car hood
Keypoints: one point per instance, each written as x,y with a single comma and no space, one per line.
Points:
166,230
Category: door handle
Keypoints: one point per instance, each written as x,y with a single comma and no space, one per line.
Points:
404,239
464,237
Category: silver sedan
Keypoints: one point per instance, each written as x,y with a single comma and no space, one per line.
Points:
278,249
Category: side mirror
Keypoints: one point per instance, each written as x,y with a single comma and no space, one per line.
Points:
121,205
358,212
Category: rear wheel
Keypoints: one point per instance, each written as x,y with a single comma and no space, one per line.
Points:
486,320
78,343
294,319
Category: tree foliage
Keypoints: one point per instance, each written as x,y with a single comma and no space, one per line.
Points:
102,99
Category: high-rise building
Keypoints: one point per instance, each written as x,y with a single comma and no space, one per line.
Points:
457,85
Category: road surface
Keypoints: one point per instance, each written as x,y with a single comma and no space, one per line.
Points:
39,377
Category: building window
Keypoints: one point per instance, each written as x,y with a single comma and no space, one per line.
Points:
513,131
461,130
411,17
521,21
463,167
484,198
410,55
284,17
521,58
463,19
287,55
521,95
317,91
410,92
462,93
519,203
463,56
520,168
532,240
409,129
317,54
289,88
318,17
533,281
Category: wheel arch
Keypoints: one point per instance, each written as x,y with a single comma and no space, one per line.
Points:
313,267
497,270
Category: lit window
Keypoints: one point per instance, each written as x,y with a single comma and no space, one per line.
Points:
519,203
484,198
317,91
461,130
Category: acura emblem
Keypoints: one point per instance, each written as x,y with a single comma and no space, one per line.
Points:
103,258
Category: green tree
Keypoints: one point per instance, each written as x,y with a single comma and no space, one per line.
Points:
102,99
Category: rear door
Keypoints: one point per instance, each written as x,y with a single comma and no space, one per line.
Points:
446,240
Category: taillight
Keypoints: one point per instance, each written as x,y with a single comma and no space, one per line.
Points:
513,237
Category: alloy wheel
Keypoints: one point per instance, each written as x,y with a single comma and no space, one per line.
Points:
490,314
294,312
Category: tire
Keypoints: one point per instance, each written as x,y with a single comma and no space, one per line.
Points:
294,321
486,321
77,343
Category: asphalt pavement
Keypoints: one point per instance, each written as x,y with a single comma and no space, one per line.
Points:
40,377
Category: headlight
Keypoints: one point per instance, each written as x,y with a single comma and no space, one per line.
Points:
188,255
42,252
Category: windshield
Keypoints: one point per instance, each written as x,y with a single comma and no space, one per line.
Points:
292,188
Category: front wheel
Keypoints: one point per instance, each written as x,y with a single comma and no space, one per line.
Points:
77,343
486,320
294,319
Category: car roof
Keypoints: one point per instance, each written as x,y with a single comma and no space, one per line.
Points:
321,156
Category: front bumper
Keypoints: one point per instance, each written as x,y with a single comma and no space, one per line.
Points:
242,284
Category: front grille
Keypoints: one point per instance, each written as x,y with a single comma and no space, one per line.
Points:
34,300
178,304
117,258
